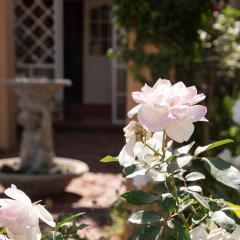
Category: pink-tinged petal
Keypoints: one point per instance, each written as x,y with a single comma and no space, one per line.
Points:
203,119
146,88
161,101
151,119
179,131
178,88
198,98
162,86
4,202
134,111
14,227
179,111
196,113
137,97
44,215
188,95
17,194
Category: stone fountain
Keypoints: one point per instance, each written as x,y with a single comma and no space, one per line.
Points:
38,171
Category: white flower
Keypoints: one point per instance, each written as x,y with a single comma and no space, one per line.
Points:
134,152
236,112
126,157
138,153
21,216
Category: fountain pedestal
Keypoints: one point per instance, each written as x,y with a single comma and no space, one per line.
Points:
38,167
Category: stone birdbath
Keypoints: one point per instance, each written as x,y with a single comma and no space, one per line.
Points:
38,171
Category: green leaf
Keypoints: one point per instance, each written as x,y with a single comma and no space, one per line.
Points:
185,205
133,171
200,199
68,219
202,149
128,170
145,217
3,230
138,197
185,149
151,232
180,230
108,159
168,202
223,172
135,233
197,219
195,188
184,160
194,176
224,221
234,208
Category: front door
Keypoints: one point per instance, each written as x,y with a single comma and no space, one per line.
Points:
73,49
97,40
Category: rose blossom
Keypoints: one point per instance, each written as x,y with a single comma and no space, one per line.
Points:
21,216
169,107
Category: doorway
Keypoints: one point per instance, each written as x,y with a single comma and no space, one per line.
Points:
73,49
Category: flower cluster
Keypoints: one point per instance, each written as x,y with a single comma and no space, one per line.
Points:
174,207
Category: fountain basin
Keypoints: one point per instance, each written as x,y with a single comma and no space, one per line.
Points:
37,185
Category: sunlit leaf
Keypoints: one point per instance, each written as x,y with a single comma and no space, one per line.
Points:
224,221
108,159
234,208
223,172
202,149
145,217
194,176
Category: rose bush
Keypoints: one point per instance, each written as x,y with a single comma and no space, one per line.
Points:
175,207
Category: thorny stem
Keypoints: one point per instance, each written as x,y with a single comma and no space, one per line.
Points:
172,180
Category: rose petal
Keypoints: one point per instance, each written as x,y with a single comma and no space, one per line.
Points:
196,113
44,215
134,111
137,96
198,98
151,119
180,131
17,194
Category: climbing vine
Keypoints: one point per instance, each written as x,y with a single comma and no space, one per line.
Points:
170,26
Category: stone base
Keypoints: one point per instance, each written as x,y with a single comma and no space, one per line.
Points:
42,184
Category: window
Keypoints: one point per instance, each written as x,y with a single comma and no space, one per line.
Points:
100,30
